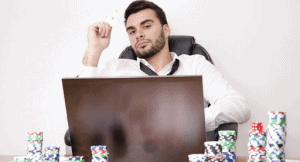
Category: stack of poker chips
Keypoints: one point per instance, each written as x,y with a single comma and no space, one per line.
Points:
34,146
51,154
257,143
227,139
197,158
21,159
276,136
213,152
99,153
76,159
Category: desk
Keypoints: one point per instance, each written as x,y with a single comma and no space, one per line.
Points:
11,158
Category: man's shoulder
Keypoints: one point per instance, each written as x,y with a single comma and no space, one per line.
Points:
122,61
189,58
122,64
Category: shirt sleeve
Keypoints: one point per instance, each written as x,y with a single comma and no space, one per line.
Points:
87,71
227,105
106,70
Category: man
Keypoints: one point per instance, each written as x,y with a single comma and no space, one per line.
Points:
148,33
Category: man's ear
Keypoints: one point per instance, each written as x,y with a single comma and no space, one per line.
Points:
167,30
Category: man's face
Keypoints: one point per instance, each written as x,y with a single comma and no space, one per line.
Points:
146,34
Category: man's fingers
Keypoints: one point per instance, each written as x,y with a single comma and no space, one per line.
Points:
107,29
102,28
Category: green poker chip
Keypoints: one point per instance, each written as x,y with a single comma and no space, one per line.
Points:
227,132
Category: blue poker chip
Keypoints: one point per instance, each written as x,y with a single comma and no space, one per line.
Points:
274,160
74,158
50,156
51,159
98,147
52,148
197,157
230,156
99,158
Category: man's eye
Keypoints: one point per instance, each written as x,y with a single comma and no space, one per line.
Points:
147,26
132,32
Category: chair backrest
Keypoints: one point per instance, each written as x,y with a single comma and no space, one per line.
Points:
178,44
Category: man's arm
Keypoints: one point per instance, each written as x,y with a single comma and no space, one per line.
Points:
99,35
98,40
227,105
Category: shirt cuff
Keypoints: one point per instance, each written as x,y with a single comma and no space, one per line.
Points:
210,123
87,71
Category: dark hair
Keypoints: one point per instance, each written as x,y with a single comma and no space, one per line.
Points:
139,5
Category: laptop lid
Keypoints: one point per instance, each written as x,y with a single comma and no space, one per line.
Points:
139,119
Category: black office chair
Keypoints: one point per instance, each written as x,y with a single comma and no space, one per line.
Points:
179,45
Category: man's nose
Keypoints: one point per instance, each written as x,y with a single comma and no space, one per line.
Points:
140,35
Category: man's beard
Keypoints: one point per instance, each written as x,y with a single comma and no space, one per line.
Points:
156,47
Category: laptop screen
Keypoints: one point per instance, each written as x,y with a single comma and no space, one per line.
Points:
138,119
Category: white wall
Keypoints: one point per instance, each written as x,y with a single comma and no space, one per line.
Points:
254,43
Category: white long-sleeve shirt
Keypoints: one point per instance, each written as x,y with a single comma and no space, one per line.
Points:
227,105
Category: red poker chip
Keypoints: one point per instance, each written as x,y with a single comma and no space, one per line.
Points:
276,112
256,149
34,133
99,151
257,132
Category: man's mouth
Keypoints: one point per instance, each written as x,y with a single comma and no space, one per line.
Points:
142,45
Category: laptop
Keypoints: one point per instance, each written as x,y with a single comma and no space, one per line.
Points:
145,119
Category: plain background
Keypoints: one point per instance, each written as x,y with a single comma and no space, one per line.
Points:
254,43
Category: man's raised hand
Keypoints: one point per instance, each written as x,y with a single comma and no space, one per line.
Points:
98,40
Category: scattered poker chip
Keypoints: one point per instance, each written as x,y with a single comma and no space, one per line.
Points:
197,158
21,159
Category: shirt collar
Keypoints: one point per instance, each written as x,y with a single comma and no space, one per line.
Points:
140,60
